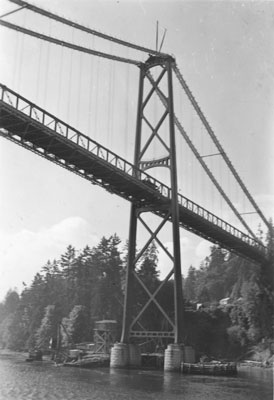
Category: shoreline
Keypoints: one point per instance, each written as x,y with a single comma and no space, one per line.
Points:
20,355
244,363
258,364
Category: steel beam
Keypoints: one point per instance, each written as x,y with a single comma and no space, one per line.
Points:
141,145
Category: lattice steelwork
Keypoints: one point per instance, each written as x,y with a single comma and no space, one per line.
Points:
171,210
35,129
28,125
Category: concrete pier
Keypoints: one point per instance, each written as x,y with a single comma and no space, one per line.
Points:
129,356
173,357
119,355
124,355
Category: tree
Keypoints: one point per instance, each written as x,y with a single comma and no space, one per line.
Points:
147,270
148,274
47,331
32,304
11,302
190,284
77,325
107,264
14,332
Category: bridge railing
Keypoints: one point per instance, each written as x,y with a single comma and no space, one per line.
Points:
205,214
61,128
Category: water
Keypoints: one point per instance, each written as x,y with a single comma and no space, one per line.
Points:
43,381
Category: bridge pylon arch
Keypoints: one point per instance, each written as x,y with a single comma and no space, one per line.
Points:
122,353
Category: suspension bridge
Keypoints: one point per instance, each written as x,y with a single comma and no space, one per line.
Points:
160,94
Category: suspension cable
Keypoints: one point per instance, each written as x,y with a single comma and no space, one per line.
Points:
178,74
85,29
199,158
12,12
217,143
67,44
90,97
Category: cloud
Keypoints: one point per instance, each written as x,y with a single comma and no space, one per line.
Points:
23,253
203,249
193,252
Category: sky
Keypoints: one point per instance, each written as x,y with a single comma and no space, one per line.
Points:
224,50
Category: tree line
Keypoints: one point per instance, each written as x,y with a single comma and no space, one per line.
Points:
85,286
236,298
75,291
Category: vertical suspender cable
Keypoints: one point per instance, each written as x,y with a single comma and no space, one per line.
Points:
80,73
38,80
59,97
47,70
20,63
110,94
97,99
16,63
90,89
201,160
217,143
113,101
69,82
21,60
45,88
127,97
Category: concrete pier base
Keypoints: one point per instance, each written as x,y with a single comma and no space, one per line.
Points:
125,356
119,355
173,357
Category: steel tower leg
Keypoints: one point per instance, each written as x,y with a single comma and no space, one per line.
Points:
178,293
174,352
122,351
121,354
133,222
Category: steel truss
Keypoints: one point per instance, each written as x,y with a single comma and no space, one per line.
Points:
28,125
130,322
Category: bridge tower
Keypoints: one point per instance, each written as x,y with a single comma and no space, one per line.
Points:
125,353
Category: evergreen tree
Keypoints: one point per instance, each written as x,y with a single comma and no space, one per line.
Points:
47,332
147,269
190,284
107,299
149,275
11,302
77,325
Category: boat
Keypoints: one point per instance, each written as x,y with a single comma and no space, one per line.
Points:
35,355
210,368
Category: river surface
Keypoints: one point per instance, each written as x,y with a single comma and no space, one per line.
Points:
20,380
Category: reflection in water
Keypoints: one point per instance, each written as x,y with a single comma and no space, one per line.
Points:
145,381
42,381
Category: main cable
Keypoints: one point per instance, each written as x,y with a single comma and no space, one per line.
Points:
217,143
198,156
85,29
67,44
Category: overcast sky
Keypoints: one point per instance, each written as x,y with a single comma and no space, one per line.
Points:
224,50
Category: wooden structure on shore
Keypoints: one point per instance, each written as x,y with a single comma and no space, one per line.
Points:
104,335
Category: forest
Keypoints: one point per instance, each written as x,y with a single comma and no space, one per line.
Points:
228,301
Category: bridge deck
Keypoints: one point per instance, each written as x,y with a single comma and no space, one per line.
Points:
33,128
